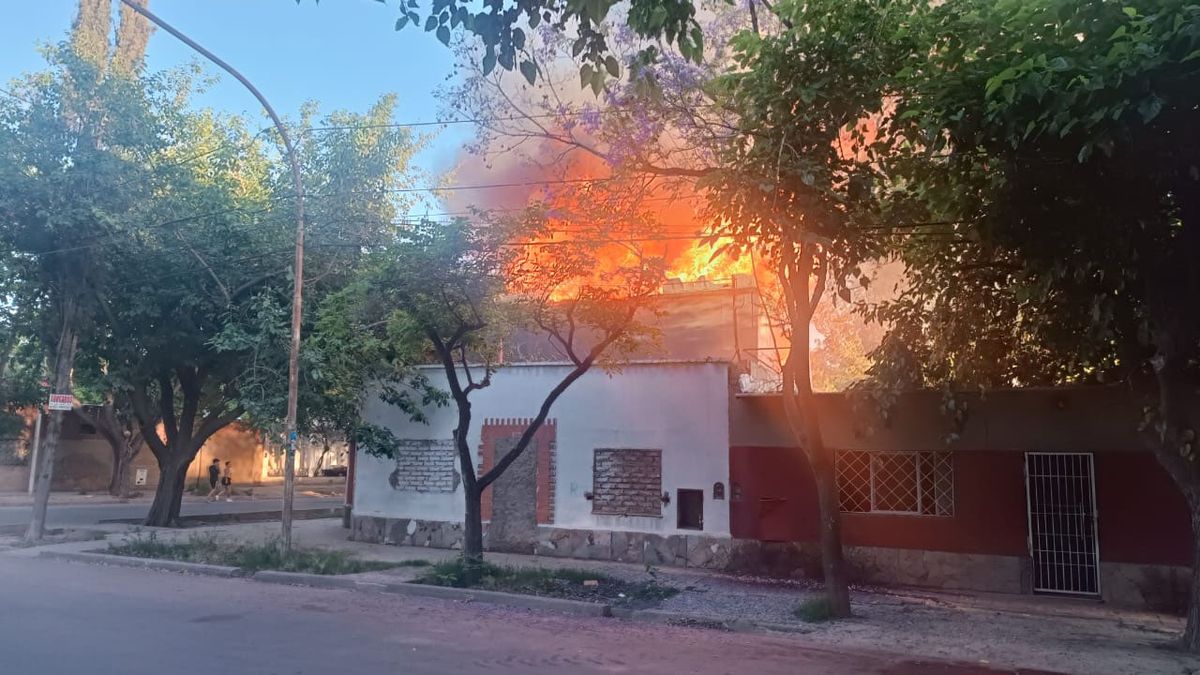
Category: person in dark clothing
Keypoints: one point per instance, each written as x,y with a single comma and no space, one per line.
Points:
214,479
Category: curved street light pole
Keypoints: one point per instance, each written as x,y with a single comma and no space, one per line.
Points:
289,467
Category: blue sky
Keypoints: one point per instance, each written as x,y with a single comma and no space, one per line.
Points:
342,53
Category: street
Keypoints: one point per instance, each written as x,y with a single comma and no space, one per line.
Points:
90,514
63,618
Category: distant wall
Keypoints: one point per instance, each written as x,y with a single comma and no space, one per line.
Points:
84,459
14,478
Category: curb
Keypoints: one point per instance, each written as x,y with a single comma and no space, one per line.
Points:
243,517
301,579
578,607
143,563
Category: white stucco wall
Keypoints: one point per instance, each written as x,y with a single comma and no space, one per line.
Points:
681,409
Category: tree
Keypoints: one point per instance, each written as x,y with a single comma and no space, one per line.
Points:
353,166
67,132
795,182
501,27
461,290
117,424
1059,141
207,347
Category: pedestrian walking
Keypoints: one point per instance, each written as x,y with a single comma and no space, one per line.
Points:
214,479
227,482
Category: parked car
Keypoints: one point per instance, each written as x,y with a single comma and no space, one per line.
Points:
339,470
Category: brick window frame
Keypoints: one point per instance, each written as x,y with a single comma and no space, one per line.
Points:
915,483
627,482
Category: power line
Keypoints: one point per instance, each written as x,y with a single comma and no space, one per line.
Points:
199,269
486,120
114,235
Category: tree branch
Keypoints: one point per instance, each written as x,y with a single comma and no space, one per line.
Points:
166,406
211,272
214,422
544,411
147,421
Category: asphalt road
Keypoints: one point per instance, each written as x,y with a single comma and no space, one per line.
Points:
90,514
60,618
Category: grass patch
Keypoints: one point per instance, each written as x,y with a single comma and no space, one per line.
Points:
571,584
813,610
413,563
207,549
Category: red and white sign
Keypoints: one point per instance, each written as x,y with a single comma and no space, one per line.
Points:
61,401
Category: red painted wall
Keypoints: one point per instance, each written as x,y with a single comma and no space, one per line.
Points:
1143,518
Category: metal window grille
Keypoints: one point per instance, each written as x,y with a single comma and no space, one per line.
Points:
1060,488
920,483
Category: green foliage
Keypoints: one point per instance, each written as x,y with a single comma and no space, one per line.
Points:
210,550
501,28
1052,140
171,229
561,583
351,167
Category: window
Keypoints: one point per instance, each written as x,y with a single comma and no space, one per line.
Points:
689,509
920,483
627,482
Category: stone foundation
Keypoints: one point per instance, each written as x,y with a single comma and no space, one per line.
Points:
555,542
1156,587
406,532
1160,587
787,559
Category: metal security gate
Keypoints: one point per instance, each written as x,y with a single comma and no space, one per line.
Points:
1060,489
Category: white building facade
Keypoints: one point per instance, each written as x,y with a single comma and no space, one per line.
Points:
632,465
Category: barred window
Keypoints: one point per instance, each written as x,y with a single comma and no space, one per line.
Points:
920,483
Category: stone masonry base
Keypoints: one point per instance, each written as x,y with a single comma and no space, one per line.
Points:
674,550
1155,587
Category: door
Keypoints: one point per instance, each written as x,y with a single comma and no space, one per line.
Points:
1061,496
690,510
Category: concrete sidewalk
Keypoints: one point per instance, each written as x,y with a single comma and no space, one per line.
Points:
1054,634
1051,634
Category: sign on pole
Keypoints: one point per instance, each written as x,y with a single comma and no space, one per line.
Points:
61,401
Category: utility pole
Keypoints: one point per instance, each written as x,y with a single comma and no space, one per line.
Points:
289,466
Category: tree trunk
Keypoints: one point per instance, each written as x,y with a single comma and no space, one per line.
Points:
64,361
1191,633
800,410
168,496
1175,446
473,527
833,564
118,484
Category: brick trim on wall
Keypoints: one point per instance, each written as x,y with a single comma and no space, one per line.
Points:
495,429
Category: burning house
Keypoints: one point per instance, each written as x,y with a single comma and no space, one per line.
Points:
687,460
